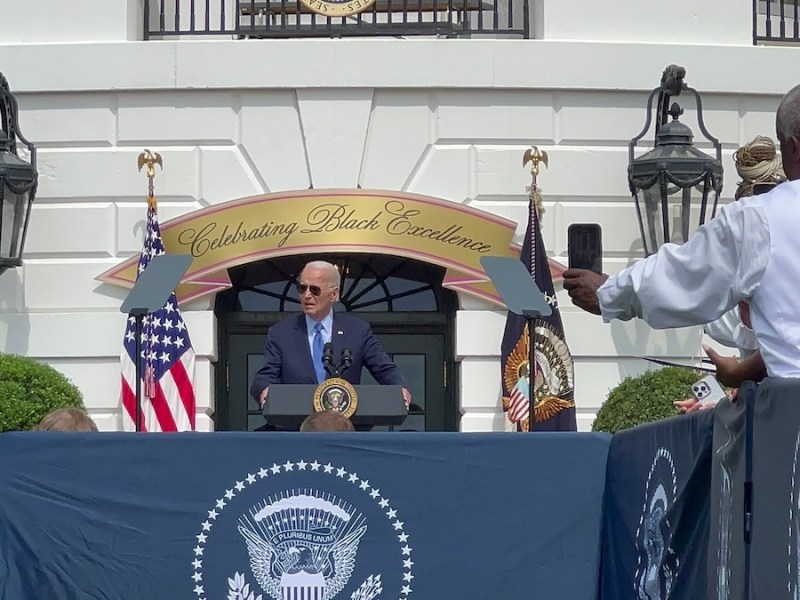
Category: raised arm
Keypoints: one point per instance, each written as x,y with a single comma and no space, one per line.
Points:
695,283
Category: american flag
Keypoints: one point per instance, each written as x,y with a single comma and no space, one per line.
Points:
167,358
519,403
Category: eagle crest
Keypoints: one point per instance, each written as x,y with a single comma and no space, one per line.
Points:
302,541
553,384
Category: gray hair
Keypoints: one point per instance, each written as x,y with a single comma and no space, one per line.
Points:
787,119
332,271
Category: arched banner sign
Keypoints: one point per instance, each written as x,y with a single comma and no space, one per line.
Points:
315,222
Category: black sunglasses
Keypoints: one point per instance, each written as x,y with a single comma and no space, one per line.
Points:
314,289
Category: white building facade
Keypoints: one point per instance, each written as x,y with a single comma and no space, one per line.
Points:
447,118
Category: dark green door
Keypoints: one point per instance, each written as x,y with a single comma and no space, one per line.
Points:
420,357
403,300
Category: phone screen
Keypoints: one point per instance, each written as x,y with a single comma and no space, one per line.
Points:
585,246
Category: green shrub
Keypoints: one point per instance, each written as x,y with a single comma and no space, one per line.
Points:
29,390
646,398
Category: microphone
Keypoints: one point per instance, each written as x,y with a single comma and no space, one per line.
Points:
347,358
327,360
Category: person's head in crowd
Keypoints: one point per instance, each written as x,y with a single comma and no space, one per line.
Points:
318,288
759,166
67,419
327,420
787,126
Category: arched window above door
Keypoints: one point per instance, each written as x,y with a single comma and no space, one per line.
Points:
370,283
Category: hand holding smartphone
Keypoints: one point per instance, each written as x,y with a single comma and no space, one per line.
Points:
585,246
708,390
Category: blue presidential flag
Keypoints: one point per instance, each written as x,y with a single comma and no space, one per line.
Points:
554,408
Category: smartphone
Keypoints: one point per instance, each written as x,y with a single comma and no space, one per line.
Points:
585,246
708,390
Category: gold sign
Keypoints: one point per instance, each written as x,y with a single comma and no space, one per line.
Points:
316,222
336,394
337,8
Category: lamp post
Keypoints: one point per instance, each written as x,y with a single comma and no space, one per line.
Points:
17,182
674,183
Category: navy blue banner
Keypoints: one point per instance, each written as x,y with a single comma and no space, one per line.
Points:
256,517
774,553
657,504
726,556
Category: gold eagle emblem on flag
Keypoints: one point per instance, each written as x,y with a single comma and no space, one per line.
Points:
554,380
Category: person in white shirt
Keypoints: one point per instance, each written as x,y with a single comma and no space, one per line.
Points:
759,166
749,251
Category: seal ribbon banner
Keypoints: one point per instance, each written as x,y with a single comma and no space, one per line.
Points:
447,234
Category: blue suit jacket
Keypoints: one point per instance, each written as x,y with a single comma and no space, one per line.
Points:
287,356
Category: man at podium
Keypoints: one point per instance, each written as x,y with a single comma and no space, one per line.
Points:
296,352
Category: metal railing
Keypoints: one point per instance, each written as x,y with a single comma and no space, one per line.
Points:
776,21
292,18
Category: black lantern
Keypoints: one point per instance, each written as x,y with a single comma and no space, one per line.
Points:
17,182
675,185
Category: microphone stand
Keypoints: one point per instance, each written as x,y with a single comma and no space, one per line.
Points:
347,360
327,361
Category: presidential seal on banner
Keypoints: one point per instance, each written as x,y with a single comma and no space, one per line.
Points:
658,564
295,530
337,8
336,394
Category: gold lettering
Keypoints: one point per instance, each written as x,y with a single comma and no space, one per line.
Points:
197,240
333,217
402,217
401,224
203,241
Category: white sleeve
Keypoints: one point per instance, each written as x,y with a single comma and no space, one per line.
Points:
695,283
729,331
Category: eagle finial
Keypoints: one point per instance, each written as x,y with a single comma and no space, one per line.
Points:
534,156
150,160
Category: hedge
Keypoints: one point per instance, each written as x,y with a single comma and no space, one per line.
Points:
29,390
646,398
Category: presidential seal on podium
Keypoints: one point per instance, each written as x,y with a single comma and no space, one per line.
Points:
336,394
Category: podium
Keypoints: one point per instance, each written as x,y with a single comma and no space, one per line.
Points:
288,405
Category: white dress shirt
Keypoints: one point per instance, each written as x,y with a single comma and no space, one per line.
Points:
750,250
729,330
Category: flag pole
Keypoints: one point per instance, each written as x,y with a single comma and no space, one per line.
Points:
150,160
535,157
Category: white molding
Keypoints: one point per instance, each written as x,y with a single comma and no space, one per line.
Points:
359,63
